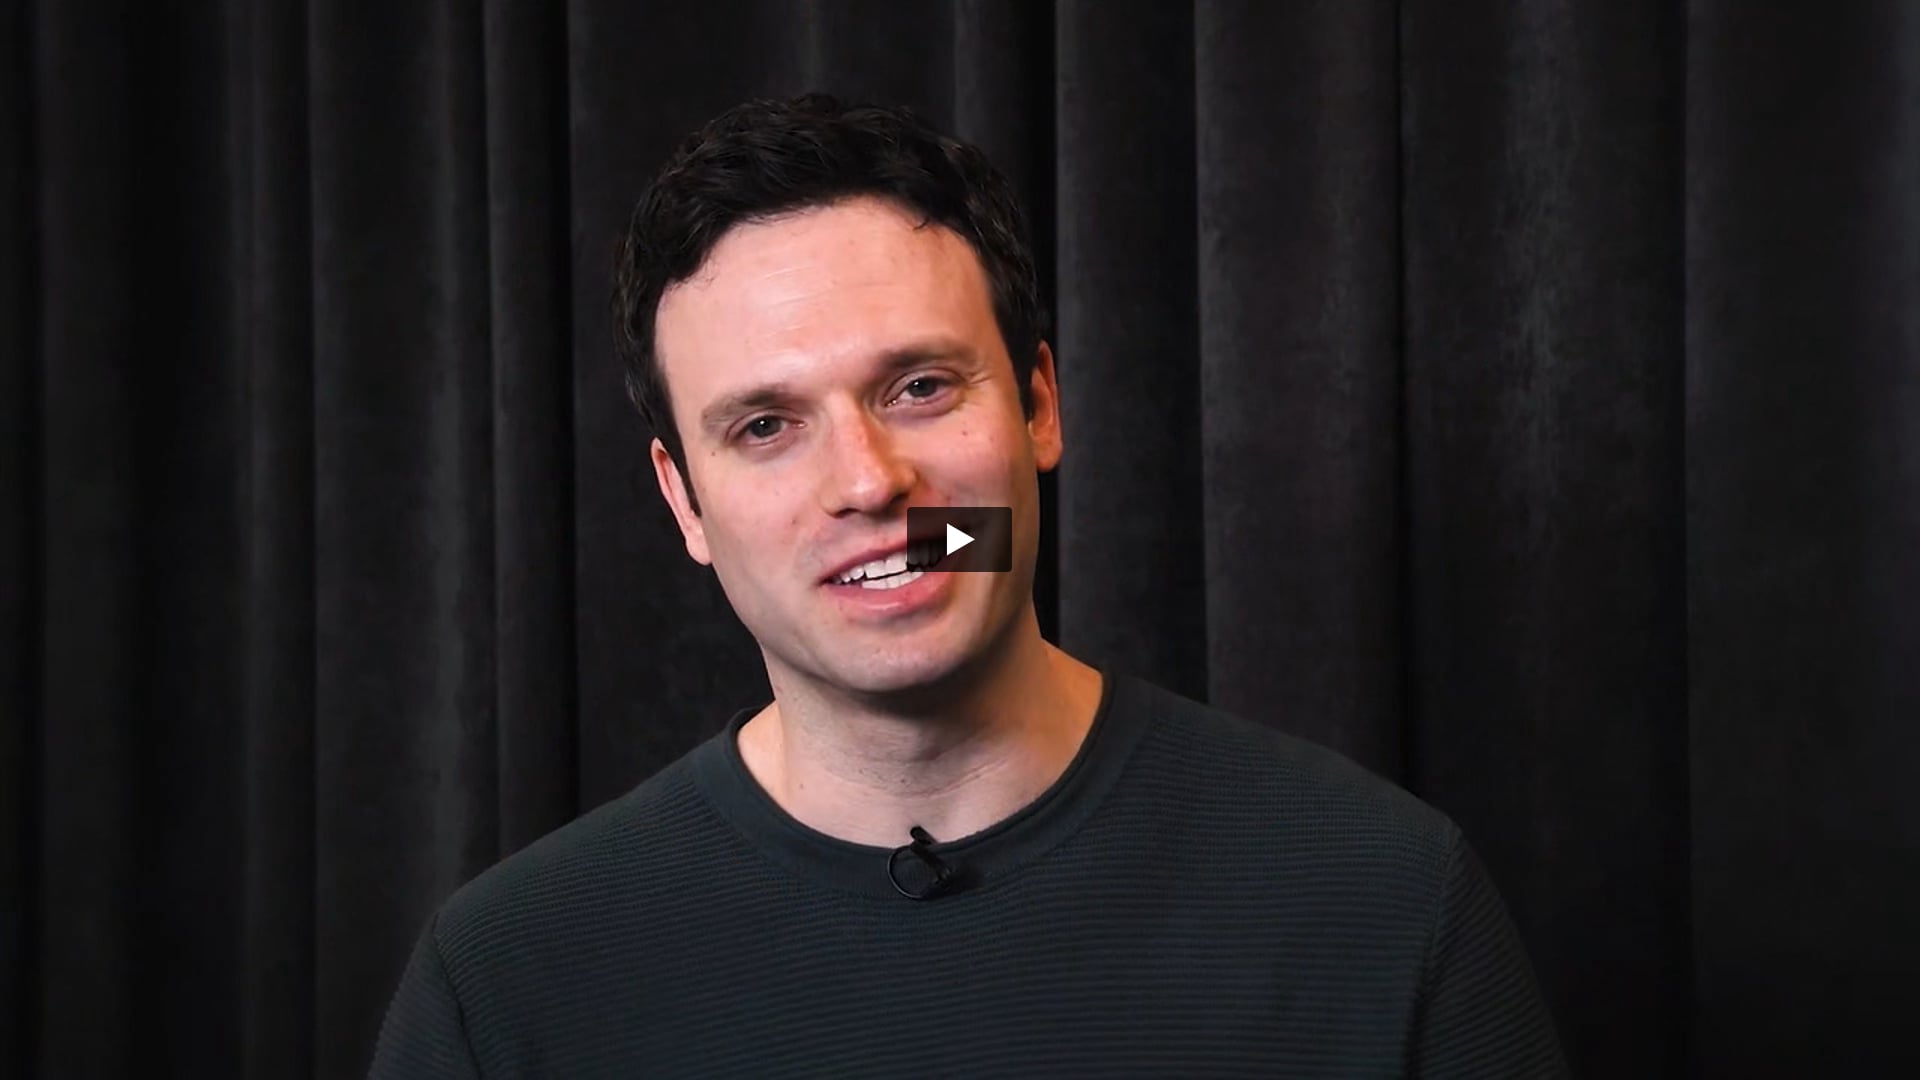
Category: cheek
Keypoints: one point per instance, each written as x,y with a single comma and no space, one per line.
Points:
982,440
991,454
759,534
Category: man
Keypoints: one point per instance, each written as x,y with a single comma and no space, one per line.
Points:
946,847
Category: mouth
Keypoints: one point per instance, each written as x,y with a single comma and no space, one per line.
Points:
902,567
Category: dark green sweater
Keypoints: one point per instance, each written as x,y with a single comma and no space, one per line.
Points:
1196,896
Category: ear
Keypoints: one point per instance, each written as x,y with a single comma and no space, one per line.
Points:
1043,427
673,488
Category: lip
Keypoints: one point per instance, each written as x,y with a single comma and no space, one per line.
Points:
926,591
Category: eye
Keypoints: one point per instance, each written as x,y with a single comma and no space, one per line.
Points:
762,428
922,387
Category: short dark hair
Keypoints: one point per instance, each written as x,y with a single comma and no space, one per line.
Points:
763,158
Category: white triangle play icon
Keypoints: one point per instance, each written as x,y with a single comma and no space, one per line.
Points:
956,539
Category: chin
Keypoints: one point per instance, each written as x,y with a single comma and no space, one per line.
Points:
903,667
890,676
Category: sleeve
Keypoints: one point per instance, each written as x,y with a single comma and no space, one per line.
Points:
1480,1012
424,1034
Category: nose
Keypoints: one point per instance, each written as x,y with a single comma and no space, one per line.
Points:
865,472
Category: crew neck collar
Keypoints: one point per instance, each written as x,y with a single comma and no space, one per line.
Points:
985,857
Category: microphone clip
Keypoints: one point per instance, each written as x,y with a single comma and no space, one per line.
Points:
945,878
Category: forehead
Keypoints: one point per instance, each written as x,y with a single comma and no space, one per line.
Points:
829,285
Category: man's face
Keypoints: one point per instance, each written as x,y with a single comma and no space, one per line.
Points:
829,369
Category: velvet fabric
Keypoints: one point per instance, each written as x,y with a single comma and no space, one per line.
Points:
1519,398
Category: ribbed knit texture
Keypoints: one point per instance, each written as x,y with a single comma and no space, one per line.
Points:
1197,896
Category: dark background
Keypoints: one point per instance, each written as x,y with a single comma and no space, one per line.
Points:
1519,397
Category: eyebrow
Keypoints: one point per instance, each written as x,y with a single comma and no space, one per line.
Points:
715,417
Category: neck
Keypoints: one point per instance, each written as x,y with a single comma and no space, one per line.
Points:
954,760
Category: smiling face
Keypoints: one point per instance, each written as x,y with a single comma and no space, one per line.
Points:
828,369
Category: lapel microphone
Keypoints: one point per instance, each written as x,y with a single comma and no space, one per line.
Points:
945,878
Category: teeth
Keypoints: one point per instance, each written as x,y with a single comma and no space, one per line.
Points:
894,581
919,555
880,568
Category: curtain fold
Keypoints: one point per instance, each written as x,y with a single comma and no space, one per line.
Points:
1133,592
20,559
1519,399
1543,377
91,646
1296,115
273,332
403,486
529,286
1803,529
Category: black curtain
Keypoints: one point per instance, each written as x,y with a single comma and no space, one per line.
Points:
1522,398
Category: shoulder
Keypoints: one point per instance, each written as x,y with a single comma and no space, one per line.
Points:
1305,798
602,863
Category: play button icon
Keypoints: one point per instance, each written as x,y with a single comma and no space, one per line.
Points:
969,538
